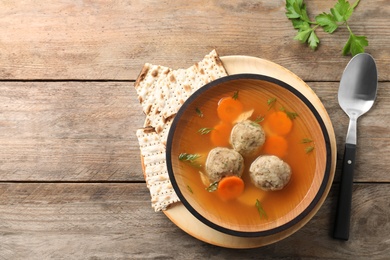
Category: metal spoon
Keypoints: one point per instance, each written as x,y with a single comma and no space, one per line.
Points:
357,92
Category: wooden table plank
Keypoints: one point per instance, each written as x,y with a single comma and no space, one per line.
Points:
99,221
85,131
100,40
73,131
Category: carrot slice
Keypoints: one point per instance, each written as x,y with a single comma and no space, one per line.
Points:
229,109
279,123
275,145
230,187
220,134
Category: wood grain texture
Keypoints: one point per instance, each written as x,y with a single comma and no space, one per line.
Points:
69,131
85,131
100,40
71,183
100,221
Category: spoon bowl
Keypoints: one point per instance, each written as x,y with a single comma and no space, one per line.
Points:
358,87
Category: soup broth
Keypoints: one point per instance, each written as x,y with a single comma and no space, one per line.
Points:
262,207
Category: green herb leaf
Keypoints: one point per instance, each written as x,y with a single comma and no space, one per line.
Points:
342,11
313,40
205,130
327,22
302,36
293,9
296,9
300,25
297,13
190,158
355,44
235,95
199,112
260,209
306,140
259,119
271,102
355,4
189,189
291,115
213,187
309,149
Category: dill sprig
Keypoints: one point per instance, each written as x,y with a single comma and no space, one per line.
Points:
199,112
235,95
212,187
190,158
309,149
205,130
260,209
271,102
306,140
291,115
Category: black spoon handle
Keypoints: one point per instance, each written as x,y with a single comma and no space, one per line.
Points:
343,214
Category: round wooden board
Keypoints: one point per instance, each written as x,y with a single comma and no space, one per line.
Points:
179,215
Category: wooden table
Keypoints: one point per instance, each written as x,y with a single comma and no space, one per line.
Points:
71,183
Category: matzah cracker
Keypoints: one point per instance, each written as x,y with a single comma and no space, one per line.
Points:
188,81
155,169
161,92
165,131
146,84
185,82
211,67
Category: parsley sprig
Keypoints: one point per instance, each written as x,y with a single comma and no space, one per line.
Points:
330,22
